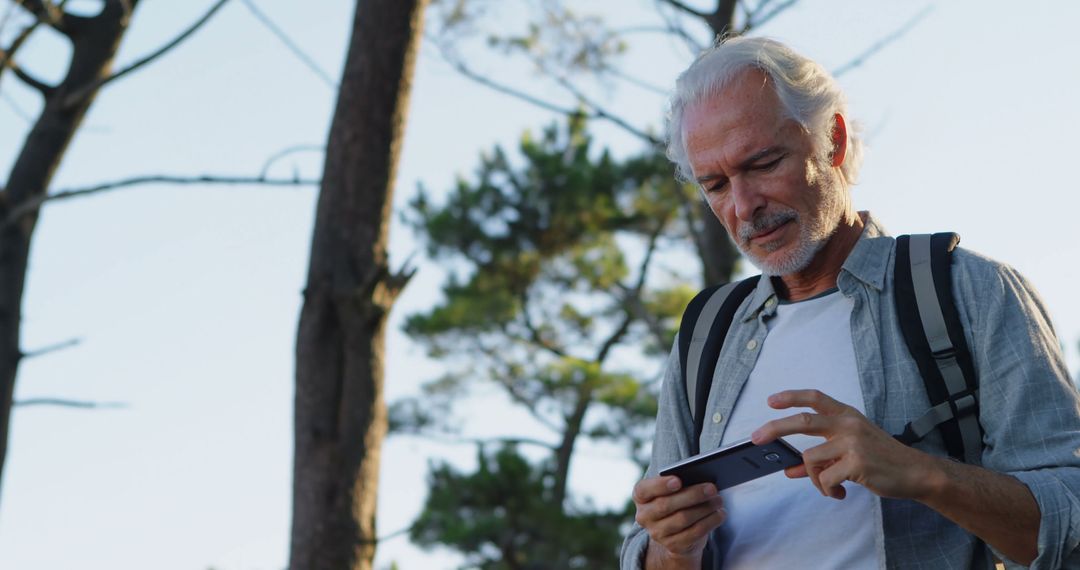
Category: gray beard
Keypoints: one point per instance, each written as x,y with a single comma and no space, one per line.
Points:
813,233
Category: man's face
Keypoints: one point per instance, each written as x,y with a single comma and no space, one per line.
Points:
760,176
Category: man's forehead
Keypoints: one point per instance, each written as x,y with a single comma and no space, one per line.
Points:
743,117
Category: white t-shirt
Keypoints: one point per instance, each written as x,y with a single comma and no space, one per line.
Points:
776,522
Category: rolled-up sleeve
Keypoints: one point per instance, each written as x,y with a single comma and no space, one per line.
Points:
1029,407
674,429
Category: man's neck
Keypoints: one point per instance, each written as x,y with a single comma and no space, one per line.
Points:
821,274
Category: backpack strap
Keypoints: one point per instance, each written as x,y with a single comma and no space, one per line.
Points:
704,326
934,336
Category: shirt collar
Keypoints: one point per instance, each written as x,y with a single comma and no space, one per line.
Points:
869,259
868,262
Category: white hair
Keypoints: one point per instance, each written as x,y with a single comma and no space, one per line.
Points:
809,95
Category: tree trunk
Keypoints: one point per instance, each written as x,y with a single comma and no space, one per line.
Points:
340,415
719,255
94,45
565,452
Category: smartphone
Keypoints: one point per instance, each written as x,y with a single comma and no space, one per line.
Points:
735,464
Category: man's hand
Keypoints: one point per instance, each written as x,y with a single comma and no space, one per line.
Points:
855,449
678,520
996,507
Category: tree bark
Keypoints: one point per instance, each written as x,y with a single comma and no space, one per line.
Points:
340,415
565,452
719,255
94,45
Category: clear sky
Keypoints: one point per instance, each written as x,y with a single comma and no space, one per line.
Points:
186,299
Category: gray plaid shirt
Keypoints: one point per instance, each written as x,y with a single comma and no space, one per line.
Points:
1029,408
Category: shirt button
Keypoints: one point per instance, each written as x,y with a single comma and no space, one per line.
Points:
770,302
717,418
752,344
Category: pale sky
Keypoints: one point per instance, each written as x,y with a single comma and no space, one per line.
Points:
186,299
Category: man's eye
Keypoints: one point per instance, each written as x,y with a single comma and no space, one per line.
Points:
767,166
717,186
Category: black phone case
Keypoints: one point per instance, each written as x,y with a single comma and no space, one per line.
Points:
735,464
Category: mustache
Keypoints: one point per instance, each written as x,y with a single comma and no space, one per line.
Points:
764,222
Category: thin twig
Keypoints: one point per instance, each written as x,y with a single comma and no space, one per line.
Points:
8,54
687,9
286,152
52,348
384,538
47,13
40,86
67,403
534,332
7,16
882,43
81,93
596,111
755,22
35,203
16,108
600,113
691,44
632,296
448,440
289,43
641,83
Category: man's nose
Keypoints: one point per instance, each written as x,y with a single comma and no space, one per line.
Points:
748,200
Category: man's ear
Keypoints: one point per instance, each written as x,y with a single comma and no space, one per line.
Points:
839,140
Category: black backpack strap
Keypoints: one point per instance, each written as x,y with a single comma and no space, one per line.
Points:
934,335
704,326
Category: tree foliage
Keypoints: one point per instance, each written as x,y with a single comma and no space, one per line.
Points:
502,516
552,258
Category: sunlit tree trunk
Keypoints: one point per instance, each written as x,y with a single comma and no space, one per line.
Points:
340,415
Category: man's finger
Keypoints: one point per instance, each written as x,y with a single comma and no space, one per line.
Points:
796,472
664,506
683,541
815,399
804,423
648,489
679,521
832,478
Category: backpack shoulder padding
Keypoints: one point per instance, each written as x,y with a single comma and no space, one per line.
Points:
704,326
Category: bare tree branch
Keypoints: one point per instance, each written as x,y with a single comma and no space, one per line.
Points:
687,9
510,385
883,42
52,348
17,110
632,295
753,21
7,16
34,204
600,113
675,28
596,111
6,55
286,152
50,14
450,440
67,403
84,91
534,333
615,337
640,83
395,534
45,89
289,43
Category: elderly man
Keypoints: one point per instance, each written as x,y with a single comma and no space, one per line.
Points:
764,132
